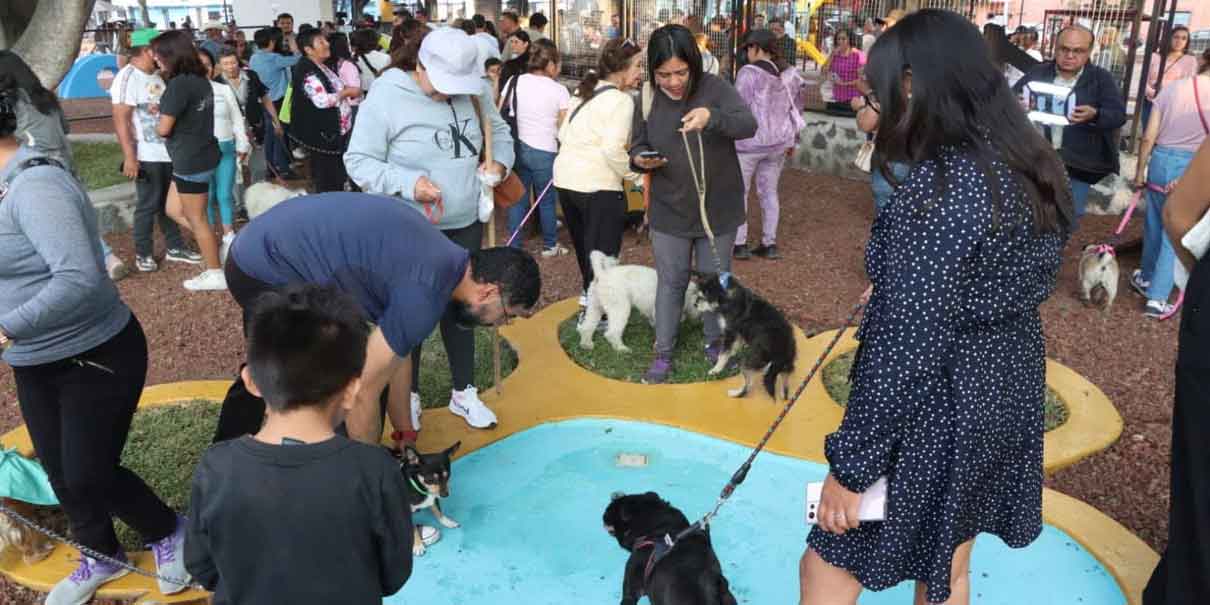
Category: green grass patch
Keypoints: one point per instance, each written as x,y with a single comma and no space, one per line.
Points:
689,362
97,164
836,382
435,380
164,446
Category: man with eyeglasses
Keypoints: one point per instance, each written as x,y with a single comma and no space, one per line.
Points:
1088,144
405,274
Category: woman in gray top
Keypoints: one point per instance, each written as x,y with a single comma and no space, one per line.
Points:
41,125
79,361
686,100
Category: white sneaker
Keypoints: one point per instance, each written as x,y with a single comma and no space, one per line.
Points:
555,250
415,411
210,279
226,247
115,267
466,404
82,584
299,154
429,535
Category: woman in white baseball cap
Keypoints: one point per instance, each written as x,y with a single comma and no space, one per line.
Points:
418,137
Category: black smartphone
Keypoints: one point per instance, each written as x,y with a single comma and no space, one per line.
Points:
142,173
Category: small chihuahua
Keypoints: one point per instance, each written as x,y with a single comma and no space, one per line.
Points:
428,477
32,545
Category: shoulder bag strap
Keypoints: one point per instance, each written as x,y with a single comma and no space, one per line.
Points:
1198,100
366,59
599,92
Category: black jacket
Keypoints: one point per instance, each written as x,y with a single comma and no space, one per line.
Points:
310,125
1089,150
674,202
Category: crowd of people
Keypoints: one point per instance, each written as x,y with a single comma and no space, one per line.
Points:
407,139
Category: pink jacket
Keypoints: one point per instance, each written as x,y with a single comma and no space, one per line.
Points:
776,102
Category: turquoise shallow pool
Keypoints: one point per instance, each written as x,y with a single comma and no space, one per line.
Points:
530,508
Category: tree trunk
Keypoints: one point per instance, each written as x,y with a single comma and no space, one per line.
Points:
61,21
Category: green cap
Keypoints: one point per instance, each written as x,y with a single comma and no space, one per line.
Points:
143,37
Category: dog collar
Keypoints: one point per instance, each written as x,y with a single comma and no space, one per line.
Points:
1105,249
418,487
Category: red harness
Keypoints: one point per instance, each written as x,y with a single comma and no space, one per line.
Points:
659,550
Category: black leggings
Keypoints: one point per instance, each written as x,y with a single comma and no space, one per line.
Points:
78,412
459,342
242,412
596,221
327,171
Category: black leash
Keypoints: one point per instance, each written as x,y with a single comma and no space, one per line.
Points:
742,472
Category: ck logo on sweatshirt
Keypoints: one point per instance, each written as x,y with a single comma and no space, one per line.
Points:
456,139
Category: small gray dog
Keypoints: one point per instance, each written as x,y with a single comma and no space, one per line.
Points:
1099,275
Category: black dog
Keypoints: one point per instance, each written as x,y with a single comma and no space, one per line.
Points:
428,478
748,319
687,574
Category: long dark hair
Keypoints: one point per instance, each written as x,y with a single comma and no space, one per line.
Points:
674,41
407,56
177,55
772,46
363,41
615,57
1167,47
338,43
960,100
16,75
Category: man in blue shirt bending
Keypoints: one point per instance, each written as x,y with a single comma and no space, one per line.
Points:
405,274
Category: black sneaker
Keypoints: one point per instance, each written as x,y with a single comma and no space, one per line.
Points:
741,253
770,252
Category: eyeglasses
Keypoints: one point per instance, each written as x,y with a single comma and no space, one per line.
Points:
507,318
628,42
1075,52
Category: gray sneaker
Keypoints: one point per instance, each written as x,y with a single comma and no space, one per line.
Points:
170,560
183,255
82,584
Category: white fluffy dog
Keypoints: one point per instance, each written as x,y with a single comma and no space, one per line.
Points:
615,289
260,197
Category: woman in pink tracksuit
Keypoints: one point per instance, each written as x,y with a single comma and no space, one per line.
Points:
770,87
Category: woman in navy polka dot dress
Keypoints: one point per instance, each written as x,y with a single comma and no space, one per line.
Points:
948,383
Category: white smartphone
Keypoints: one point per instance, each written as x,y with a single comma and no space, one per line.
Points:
873,502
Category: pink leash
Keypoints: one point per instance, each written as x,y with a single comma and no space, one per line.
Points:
1134,203
532,207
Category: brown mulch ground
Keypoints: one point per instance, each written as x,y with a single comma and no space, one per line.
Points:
822,235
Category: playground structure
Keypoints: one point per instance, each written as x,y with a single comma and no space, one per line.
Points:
537,394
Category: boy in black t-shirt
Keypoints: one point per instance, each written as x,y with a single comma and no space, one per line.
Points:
296,514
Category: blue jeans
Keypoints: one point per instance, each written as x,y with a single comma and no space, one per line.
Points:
1079,199
1167,165
882,188
535,168
276,154
222,184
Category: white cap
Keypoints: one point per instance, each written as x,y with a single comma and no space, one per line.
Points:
213,25
449,57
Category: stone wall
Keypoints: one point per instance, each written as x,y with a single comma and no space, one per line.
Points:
829,145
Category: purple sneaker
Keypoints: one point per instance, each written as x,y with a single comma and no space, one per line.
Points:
170,560
658,373
82,584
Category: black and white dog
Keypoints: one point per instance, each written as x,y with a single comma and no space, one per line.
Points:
685,574
749,320
428,478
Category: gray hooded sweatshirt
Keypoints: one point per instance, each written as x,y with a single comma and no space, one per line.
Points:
402,134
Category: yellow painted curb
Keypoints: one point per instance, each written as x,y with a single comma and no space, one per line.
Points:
538,392
1093,423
